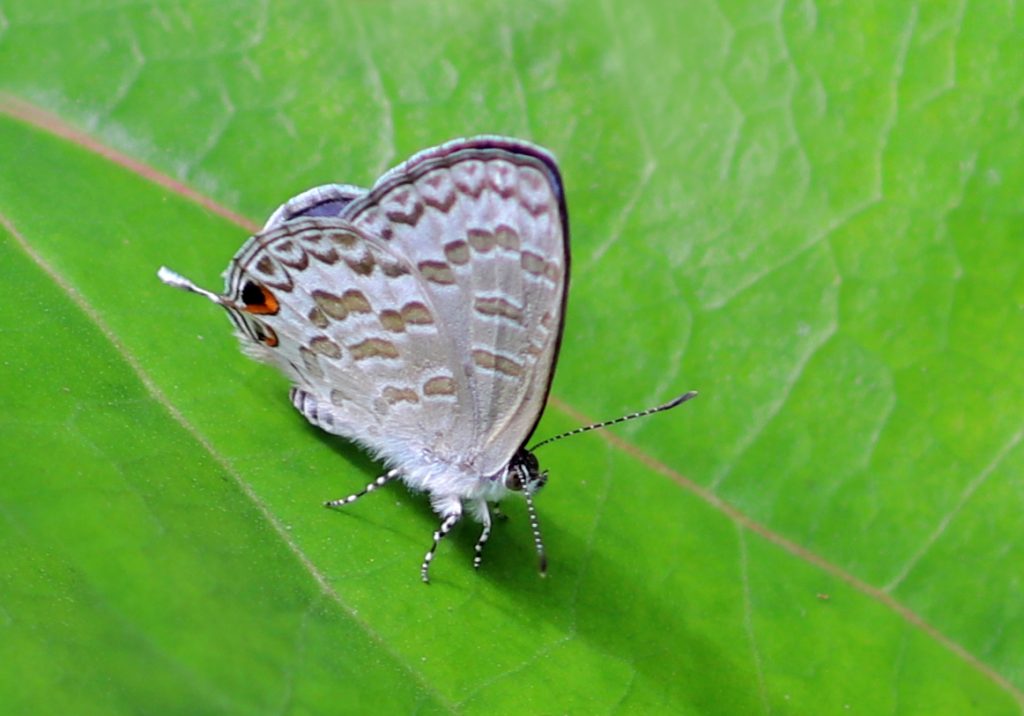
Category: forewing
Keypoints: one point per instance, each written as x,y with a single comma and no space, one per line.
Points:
483,223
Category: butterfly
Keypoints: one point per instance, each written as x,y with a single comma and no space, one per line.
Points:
420,319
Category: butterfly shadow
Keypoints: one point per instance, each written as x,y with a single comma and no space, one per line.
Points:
644,622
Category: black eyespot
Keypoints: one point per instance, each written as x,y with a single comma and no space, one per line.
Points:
258,299
252,295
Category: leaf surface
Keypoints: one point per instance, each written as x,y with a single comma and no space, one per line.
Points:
810,213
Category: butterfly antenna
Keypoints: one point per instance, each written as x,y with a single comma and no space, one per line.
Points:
537,541
632,416
175,279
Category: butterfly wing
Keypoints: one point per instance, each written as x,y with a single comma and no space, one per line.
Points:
328,200
423,314
483,224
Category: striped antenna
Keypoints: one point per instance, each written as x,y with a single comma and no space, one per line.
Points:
632,416
175,279
542,557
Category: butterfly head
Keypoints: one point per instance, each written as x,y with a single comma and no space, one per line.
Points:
524,473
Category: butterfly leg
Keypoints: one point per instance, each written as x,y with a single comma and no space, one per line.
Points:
378,482
450,509
481,512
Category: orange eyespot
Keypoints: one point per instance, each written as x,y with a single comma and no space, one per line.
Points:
266,336
258,300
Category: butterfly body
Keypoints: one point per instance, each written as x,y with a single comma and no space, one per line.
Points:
420,318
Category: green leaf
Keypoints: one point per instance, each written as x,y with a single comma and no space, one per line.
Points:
809,212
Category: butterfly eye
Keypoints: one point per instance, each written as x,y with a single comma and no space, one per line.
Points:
258,300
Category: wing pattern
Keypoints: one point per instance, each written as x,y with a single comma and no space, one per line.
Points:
427,309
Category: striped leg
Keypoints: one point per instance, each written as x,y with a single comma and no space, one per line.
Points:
485,516
378,482
447,523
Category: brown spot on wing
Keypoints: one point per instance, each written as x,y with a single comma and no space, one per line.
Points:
291,254
417,314
437,272
392,321
317,317
551,271
439,385
402,206
345,239
538,210
481,240
497,306
497,363
394,269
457,252
325,346
437,190
394,395
469,177
355,301
319,248
374,348
363,265
332,305
506,237
271,273
536,265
